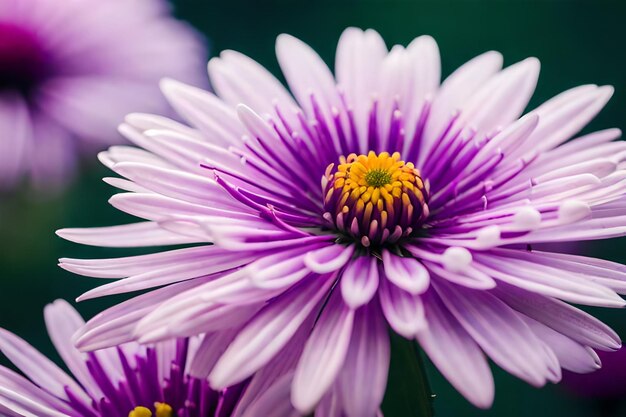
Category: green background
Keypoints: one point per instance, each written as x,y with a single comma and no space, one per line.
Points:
577,43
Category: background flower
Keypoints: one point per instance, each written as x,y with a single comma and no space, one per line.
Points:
131,380
70,71
429,197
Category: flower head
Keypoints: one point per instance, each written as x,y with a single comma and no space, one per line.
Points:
377,198
70,71
130,380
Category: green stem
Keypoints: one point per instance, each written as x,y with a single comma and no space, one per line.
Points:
408,391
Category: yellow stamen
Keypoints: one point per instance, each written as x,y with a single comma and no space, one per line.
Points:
140,412
163,410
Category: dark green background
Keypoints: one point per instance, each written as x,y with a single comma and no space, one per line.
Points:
577,43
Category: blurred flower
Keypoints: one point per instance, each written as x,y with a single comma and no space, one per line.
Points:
608,382
130,380
430,198
71,70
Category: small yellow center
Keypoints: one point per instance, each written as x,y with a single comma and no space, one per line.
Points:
378,177
161,410
374,197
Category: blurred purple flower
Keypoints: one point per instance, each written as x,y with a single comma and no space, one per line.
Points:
70,71
376,199
607,382
132,380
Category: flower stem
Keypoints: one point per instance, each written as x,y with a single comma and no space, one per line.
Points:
408,391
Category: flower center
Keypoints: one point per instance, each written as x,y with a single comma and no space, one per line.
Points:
378,178
374,198
160,409
23,61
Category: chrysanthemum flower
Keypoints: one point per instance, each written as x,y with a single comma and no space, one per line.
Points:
131,380
377,198
71,70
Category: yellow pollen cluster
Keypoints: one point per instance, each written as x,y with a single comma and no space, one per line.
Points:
161,410
375,198
374,181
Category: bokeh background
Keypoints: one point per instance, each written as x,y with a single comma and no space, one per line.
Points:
577,42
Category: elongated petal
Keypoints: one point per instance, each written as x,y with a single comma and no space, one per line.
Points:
357,66
268,332
562,317
458,88
22,396
571,355
36,366
239,79
327,345
62,322
455,354
128,235
367,364
274,402
503,98
500,332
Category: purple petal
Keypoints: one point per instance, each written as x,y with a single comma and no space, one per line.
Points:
499,331
367,363
407,273
329,258
268,332
455,354
404,311
359,281
323,356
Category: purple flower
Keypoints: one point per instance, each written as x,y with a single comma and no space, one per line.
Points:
71,70
132,380
377,198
